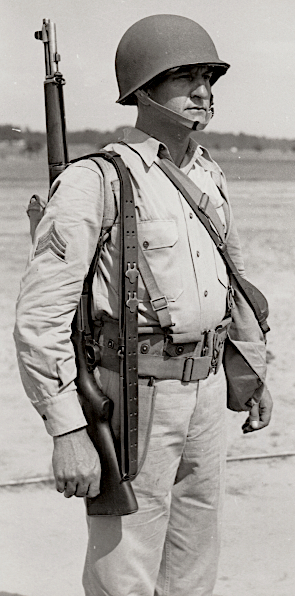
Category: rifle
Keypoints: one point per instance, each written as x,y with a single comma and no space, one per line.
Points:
54,102
116,494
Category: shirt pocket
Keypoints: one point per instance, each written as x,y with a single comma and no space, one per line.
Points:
221,270
159,242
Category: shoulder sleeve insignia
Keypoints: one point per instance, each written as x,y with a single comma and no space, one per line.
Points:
52,241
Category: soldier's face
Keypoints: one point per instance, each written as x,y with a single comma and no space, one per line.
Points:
186,91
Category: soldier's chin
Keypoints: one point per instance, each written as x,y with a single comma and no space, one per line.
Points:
198,125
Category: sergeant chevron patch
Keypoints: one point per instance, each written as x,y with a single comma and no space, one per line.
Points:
52,241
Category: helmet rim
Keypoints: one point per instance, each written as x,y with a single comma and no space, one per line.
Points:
220,69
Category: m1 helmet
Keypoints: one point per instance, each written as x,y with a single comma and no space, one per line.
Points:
158,43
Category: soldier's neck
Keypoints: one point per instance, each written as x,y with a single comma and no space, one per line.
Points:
172,134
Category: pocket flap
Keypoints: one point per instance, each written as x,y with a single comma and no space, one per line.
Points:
157,234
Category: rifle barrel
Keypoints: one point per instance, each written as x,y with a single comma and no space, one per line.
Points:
57,150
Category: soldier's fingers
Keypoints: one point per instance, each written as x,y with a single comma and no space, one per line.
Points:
60,484
265,412
252,423
259,416
248,428
70,489
82,489
94,489
264,421
254,417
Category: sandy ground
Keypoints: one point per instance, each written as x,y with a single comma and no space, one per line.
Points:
43,535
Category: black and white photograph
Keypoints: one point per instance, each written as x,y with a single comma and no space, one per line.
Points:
147,238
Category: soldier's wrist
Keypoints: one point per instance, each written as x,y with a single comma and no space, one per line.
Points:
81,430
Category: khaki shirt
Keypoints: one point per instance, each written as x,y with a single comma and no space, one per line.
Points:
184,261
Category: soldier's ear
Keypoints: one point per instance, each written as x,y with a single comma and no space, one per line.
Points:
211,107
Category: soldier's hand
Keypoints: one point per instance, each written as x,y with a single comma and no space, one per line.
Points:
76,465
260,414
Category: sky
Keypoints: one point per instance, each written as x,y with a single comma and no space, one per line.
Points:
256,96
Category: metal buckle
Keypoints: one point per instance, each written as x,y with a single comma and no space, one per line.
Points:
203,203
132,302
187,370
163,303
131,273
218,344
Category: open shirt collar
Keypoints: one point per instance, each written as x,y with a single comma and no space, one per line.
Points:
148,149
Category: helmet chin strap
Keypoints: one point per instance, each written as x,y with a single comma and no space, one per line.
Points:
145,99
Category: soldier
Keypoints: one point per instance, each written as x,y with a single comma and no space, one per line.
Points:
166,65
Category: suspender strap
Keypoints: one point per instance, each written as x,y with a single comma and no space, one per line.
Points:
206,213
158,301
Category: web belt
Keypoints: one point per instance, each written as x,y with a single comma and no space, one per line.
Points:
158,357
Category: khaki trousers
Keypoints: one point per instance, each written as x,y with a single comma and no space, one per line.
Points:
170,547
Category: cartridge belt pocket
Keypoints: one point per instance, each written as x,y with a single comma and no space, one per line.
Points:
160,358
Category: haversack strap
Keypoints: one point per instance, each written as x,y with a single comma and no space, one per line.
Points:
209,219
193,195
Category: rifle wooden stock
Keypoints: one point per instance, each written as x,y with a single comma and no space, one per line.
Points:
116,496
55,126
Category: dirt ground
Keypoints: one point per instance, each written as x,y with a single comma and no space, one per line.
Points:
43,535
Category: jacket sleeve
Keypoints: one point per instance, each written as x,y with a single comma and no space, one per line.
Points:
232,236
63,247
234,245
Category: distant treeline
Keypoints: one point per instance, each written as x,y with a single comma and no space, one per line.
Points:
34,141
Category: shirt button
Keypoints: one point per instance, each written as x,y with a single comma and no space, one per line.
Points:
198,253
145,244
205,293
191,216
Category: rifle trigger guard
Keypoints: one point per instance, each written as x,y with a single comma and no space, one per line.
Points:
92,351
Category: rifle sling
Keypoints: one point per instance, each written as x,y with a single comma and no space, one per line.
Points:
128,327
128,309
205,211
